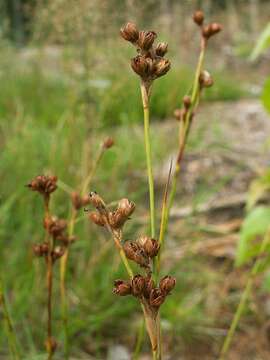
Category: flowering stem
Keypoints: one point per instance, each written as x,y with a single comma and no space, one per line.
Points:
254,271
145,101
184,132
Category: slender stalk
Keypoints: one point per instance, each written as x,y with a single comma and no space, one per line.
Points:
64,258
244,297
9,325
139,341
145,101
184,133
49,278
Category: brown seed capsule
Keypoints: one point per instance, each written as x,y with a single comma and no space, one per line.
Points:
58,252
55,227
141,66
122,287
215,28
149,286
187,101
136,253
126,207
161,49
37,250
162,66
156,297
166,284
150,246
146,39
76,200
210,30
138,285
205,79
130,32
198,17
108,143
179,114
97,201
45,185
97,218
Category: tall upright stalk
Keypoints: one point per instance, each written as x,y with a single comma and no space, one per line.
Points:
245,295
145,101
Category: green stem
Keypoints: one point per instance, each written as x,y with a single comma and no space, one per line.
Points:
9,326
145,101
139,341
244,297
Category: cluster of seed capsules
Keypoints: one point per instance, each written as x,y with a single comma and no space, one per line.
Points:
141,251
56,228
149,64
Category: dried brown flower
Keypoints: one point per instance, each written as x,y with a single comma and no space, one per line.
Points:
156,297
79,201
211,30
130,32
97,201
55,227
149,245
146,39
149,286
40,249
136,253
162,66
138,285
44,184
122,287
198,17
187,101
58,252
166,284
205,79
97,218
161,49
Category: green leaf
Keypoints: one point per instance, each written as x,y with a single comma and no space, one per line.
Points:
254,227
262,44
266,95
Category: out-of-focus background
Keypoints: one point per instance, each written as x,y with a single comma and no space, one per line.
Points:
65,85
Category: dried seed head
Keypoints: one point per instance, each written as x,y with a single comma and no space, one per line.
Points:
166,284
40,249
58,252
149,286
97,218
45,185
79,201
162,66
108,143
150,246
136,253
138,285
156,297
96,201
161,49
122,287
142,66
206,79
55,227
130,32
210,30
198,17
187,101
146,39
126,207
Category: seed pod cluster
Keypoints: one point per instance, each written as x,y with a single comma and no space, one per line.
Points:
141,250
116,218
149,64
143,287
208,30
43,184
